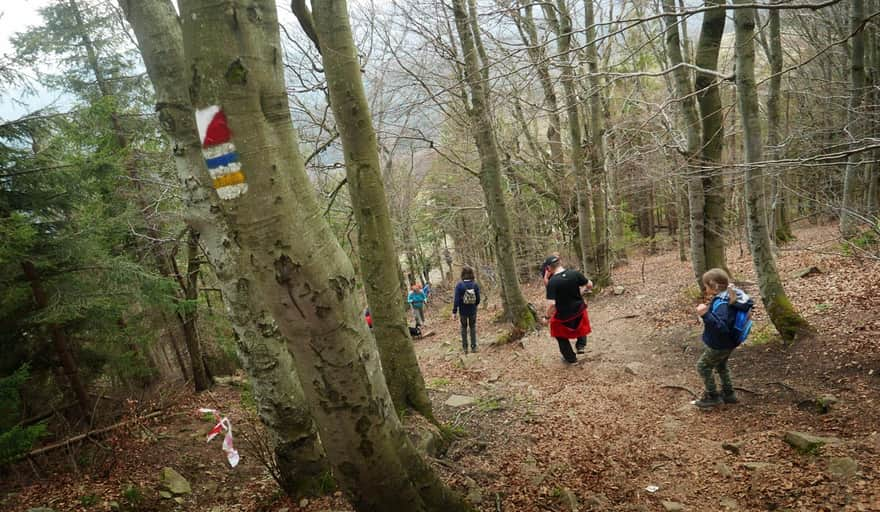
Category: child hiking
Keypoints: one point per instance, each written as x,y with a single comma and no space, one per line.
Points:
467,298
722,333
416,300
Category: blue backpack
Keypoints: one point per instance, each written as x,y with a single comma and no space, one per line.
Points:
742,323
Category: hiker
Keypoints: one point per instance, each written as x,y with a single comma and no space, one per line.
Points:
545,270
467,298
566,310
368,317
426,289
416,300
720,336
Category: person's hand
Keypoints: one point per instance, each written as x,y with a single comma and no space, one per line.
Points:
545,321
701,309
454,316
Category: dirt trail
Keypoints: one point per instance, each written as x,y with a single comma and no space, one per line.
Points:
543,434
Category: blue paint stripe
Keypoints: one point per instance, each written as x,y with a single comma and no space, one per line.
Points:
222,160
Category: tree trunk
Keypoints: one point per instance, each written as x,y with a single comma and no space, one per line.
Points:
60,342
294,263
189,312
597,153
780,229
779,308
709,98
515,303
562,27
850,210
684,91
538,58
376,250
262,349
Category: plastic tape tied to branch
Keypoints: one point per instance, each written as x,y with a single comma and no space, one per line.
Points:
223,423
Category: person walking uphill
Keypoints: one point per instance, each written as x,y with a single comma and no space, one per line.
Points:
720,335
417,300
467,298
567,311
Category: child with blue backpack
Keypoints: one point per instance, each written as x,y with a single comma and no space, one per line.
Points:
726,323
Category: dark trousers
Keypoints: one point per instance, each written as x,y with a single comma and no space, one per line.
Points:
468,322
566,350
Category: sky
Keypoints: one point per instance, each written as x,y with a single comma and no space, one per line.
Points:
16,16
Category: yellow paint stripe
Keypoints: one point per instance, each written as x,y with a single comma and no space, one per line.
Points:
229,179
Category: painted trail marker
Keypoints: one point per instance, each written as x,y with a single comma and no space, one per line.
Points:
220,153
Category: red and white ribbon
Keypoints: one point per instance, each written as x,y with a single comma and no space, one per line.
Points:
223,423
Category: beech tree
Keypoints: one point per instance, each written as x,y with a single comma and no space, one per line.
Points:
291,258
516,308
331,33
785,318
261,348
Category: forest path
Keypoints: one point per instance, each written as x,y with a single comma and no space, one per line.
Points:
542,434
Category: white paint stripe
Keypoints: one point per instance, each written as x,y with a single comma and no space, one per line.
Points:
219,149
203,119
232,191
224,169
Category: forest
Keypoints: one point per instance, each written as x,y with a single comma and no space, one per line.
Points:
425,256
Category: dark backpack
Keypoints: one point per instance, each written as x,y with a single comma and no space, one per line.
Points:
742,318
469,296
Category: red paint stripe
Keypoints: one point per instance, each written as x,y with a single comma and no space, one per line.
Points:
218,131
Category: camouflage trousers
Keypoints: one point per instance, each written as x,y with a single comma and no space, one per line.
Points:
715,360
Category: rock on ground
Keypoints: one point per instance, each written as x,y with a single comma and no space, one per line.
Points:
842,467
808,443
460,400
174,481
672,506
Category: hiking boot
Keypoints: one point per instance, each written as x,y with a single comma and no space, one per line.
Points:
582,350
708,400
729,397
473,350
464,350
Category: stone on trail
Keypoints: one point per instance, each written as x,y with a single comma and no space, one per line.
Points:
806,271
672,506
633,368
723,469
808,443
41,509
165,494
460,401
729,504
757,466
825,402
618,290
174,482
842,468
733,447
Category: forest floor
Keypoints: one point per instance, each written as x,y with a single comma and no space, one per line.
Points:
615,432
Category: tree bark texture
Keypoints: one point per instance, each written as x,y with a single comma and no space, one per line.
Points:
597,153
189,312
712,120
261,348
779,308
378,256
60,342
291,259
684,91
780,229
562,27
515,303
850,209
